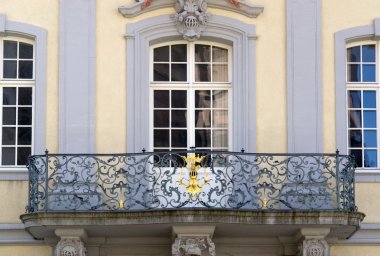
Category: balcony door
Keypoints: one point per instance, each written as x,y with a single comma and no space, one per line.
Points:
190,94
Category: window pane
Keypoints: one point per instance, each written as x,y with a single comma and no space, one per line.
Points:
369,99
161,118
26,51
9,96
369,118
179,138
22,155
219,54
220,138
220,99
355,120
202,53
161,99
10,69
353,73
161,53
220,73
24,136
179,53
8,156
9,116
9,136
10,49
220,118
161,138
370,139
179,99
25,70
25,96
355,139
179,72
202,73
369,73
369,53
203,138
179,118
161,72
358,157
370,158
353,54
202,118
202,99
25,116
354,99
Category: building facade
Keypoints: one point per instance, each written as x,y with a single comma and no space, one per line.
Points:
189,127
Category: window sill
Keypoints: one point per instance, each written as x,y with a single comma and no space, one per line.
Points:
14,173
367,176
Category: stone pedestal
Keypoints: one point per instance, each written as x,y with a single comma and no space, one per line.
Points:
193,240
71,242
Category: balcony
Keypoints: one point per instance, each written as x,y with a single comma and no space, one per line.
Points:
235,192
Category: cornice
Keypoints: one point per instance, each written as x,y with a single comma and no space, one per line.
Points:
238,6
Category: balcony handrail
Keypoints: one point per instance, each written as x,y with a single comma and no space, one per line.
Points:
191,179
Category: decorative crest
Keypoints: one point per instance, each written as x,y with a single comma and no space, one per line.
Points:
193,165
190,18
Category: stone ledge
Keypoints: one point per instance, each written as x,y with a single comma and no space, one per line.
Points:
228,222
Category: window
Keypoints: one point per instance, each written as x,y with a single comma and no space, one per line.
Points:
16,94
362,103
190,96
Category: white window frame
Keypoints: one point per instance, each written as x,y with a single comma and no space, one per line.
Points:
17,83
363,86
190,86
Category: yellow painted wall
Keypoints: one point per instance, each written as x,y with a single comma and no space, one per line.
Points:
369,250
367,200
111,67
45,14
14,202
25,250
338,15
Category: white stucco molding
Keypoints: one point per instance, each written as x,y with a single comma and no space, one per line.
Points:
247,9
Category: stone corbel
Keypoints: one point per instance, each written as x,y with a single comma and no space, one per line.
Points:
313,242
193,240
71,242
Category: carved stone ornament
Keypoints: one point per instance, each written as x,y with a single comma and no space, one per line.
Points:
193,245
313,247
70,246
190,18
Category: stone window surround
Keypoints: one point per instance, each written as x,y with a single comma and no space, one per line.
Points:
354,34
241,36
39,36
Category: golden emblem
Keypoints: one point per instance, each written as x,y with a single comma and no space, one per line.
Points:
193,164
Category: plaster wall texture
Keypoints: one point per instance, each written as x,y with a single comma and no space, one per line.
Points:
111,79
354,250
338,15
45,14
13,202
16,250
367,197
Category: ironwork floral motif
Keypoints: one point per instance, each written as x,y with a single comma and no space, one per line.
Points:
145,181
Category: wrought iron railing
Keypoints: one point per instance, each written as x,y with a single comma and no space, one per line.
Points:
192,179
